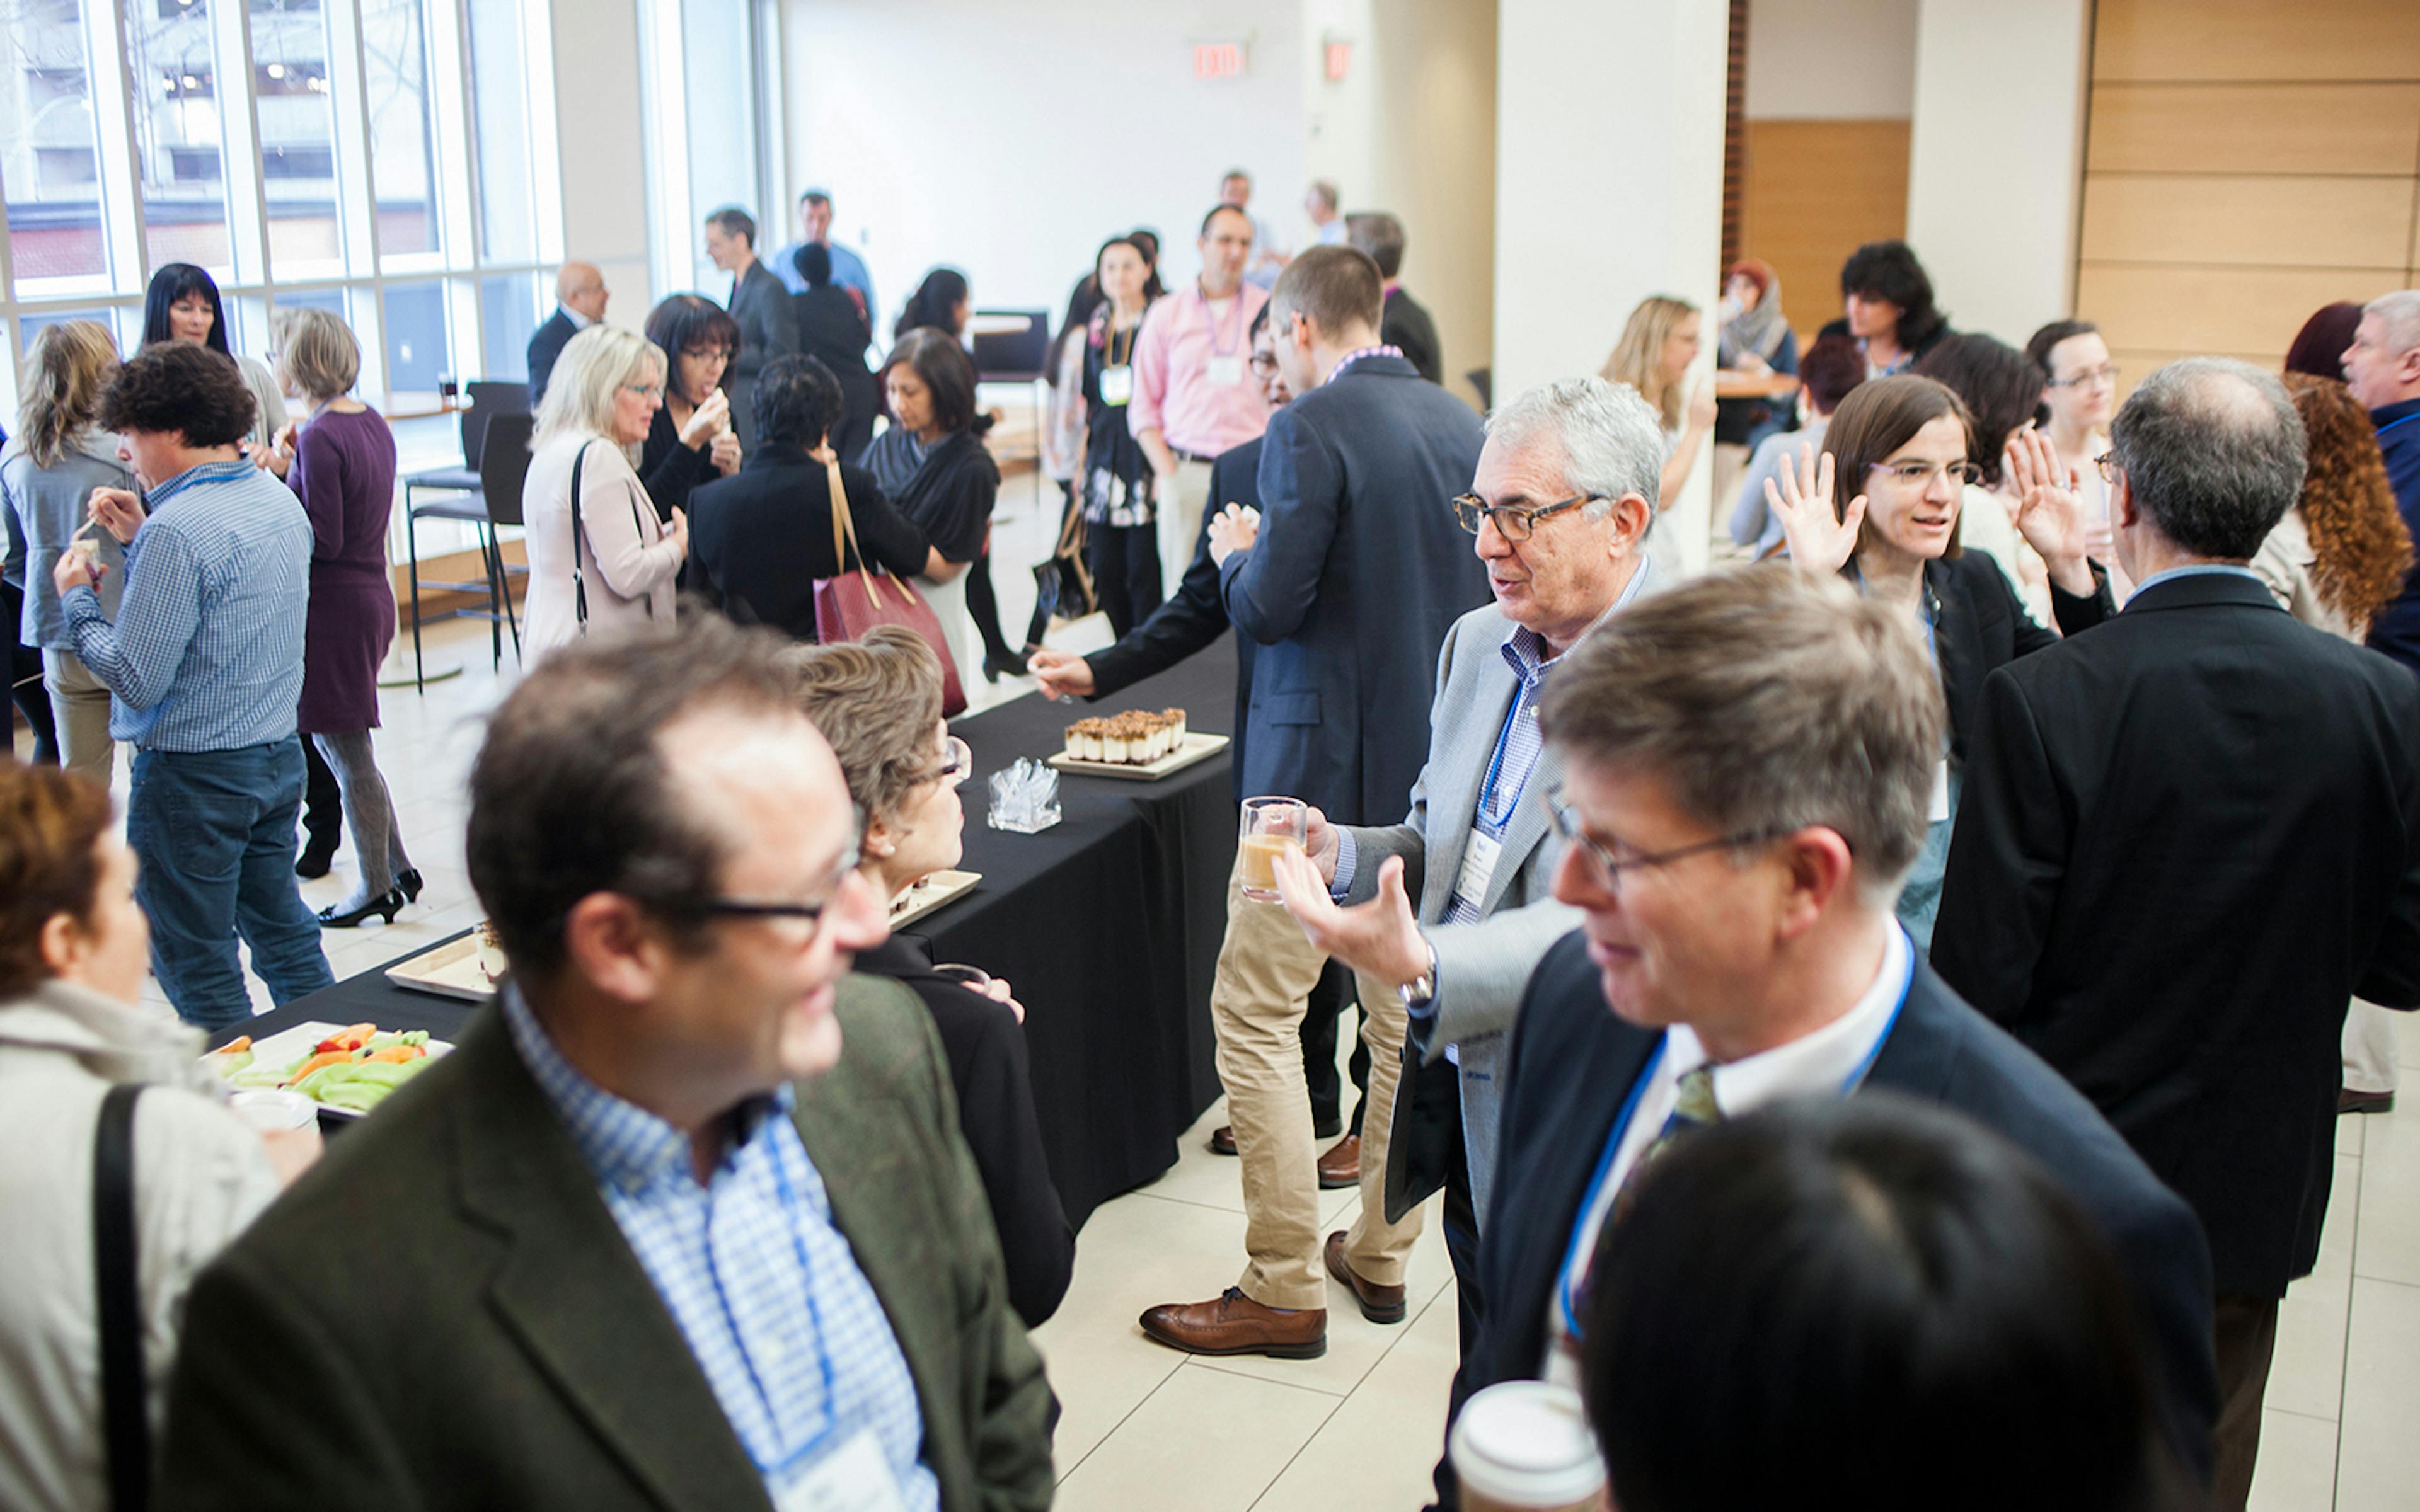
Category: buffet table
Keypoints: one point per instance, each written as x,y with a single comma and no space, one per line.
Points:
1107,926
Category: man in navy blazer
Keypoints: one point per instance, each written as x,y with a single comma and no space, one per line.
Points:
1348,580
579,296
1747,763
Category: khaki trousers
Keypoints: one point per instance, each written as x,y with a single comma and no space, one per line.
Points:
1180,518
1266,969
80,706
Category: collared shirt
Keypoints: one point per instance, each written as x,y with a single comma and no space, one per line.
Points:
2198,569
763,1288
1333,233
1381,349
206,652
1181,338
1826,1063
847,271
578,322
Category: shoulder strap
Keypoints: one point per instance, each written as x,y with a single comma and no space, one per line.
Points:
844,527
578,538
126,1424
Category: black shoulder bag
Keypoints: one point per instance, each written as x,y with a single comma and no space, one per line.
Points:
579,541
125,1420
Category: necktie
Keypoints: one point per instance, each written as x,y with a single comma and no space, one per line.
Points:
1693,1109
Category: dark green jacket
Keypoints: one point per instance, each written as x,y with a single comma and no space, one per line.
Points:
442,1313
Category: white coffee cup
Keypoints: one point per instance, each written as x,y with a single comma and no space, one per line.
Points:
1524,1446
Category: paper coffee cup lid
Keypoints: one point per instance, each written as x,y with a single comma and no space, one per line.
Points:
1527,1442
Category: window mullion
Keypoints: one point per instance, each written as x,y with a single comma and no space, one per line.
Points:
110,77
247,206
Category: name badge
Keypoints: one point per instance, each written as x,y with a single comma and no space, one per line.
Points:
1117,384
1937,809
1224,372
853,1478
1478,855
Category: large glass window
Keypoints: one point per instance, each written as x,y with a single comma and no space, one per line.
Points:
173,71
704,126
394,55
49,155
298,138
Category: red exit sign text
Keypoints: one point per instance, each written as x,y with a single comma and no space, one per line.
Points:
1218,60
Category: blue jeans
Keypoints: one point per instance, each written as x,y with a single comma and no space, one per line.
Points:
213,834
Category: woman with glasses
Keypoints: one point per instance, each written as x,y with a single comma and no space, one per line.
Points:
691,441
1898,451
878,701
2079,394
610,561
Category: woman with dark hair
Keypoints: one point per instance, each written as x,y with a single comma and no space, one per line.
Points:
2320,346
1117,485
1904,447
1932,1322
691,441
932,464
183,304
1888,310
2079,394
1146,241
832,331
2001,389
943,301
1831,367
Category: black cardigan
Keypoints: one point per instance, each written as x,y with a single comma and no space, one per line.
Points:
670,470
950,496
760,538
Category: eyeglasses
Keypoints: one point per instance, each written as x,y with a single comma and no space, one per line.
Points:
1605,869
2107,463
646,390
1512,522
707,354
1264,364
2106,373
957,763
1920,475
811,913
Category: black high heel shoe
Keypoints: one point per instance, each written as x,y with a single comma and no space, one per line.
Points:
408,880
386,905
1015,664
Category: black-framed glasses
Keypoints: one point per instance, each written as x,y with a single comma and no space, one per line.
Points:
1265,364
811,914
2107,464
2106,373
1605,869
1919,474
1512,522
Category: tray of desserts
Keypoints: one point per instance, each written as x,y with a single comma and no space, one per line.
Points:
1138,746
931,893
467,968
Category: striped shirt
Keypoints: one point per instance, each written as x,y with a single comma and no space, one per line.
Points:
785,1326
206,652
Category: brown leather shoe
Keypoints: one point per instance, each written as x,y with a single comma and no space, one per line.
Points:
1222,1139
1341,1165
1233,1323
1380,1304
2349,1101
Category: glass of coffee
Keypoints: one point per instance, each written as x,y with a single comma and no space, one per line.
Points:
1270,826
1524,1446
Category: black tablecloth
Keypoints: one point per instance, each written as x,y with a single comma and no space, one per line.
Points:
1108,926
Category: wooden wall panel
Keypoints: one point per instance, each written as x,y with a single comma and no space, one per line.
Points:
2256,40
2255,128
2200,309
2268,221
1815,191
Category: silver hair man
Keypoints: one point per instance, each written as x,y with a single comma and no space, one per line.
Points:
1612,441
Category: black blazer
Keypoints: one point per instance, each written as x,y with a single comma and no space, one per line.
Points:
760,538
1572,1061
1405,323
832,331
1359,572
546,345
2185,841
669,469
1983,625
768,330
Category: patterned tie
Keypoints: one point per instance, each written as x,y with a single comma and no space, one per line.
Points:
1693,1109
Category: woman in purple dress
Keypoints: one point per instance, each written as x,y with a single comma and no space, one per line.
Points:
340,461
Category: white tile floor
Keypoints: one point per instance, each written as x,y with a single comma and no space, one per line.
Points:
1359,1429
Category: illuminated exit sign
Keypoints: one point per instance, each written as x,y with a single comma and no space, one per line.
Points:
1218,60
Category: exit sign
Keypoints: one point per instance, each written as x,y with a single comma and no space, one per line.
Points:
1218,60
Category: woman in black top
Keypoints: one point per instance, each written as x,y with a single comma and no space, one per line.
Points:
760,539
1119,488
943,301
1886,298
832,330
691,441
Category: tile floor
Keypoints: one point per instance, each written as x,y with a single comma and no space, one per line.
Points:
1358,1429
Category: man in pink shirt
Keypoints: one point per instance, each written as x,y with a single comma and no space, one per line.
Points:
1193,393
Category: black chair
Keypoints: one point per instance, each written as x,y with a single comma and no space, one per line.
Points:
1014,347
462,499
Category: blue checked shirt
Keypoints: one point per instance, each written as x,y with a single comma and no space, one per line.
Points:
765,1290
206,650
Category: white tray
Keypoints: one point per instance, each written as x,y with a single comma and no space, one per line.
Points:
1196,748
451,970
931,893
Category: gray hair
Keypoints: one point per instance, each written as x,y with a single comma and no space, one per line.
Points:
594,366
1381,235
1611,442
1765,700
2399,315
1326,191
2213,451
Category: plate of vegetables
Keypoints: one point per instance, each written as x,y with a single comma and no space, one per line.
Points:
345,1069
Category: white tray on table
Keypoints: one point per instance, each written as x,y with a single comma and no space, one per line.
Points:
1196,748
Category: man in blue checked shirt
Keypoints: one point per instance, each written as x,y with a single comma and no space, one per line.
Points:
204,664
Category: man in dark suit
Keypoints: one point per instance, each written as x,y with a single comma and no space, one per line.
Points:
2186,840
579,296
686,1220
768,326
1349,583
1406,322
1747,763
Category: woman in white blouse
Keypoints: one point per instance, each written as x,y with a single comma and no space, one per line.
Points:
614,562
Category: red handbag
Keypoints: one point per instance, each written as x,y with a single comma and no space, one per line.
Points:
851,604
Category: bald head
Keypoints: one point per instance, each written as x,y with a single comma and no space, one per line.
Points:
2212,452
580,287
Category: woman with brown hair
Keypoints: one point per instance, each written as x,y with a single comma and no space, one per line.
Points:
1902,444
2338,558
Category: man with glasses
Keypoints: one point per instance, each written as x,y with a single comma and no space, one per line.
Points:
1747,760
687,1219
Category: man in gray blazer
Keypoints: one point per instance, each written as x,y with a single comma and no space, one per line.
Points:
768,327
1564,497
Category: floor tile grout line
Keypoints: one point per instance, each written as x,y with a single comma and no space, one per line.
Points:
2344,1358
1124,1418
1263,1494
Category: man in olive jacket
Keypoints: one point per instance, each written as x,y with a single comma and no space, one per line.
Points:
686,1221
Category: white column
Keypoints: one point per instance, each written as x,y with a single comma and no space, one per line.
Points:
1608,188
1994,174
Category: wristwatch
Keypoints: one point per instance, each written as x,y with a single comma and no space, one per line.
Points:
1422,988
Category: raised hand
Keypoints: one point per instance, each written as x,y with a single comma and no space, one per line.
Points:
1820,539
2050,512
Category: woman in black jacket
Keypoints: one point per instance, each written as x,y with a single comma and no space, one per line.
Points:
833,330
691,441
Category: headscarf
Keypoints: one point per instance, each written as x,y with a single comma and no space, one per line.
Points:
1759,330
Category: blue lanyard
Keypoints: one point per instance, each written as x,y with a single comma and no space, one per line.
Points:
1581,1234
1496,763
2393,424
815,1320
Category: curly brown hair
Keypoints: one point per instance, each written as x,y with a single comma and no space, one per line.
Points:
2361,550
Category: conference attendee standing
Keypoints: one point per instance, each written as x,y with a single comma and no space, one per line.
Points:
684,1220
1886,299
182,304
832,330
204,663
847,268
48,472
2382,367
1319,202
2001,388
1193,400
1659,342
2319,347
691,439
758,301
1747,759
1349,579
933,465
2204,760
580,297
604,560
1406,322
340,462
2079,394
1268,256
944,300
1120,519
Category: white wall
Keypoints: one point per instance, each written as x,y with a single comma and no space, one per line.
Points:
1995,175
1833,59
597,121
